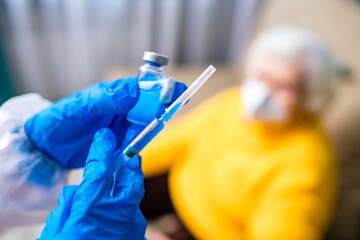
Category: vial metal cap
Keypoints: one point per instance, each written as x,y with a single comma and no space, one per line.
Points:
156,58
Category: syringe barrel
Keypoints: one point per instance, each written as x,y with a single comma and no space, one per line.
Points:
194,87
157,125
144,138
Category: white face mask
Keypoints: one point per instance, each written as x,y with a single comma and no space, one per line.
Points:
258,104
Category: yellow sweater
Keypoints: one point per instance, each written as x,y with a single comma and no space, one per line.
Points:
232,179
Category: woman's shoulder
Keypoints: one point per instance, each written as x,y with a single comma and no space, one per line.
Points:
222,101
313,147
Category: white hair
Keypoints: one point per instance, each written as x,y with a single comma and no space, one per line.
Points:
302,46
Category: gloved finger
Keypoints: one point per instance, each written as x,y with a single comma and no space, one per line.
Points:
120,127
179,89
104,98
64,130
113,97
60,214
100,164
129,182
130,134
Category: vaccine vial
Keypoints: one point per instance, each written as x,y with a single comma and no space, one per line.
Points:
150,78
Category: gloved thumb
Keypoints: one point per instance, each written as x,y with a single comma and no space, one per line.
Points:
60,214
98,172
129,183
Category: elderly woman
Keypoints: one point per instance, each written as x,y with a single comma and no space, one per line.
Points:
252,162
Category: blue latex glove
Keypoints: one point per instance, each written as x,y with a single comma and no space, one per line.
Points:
65,129
99,208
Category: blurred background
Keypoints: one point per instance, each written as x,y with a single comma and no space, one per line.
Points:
58,47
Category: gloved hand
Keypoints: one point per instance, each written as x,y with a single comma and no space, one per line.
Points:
65,129
99,208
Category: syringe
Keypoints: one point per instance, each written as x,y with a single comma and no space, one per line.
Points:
157,124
